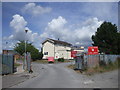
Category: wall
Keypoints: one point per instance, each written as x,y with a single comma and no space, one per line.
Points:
57,51
48,47
62,52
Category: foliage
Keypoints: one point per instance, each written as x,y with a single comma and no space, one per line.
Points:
110,62
50,62
117,62
102,63
16,64
61,59
107,38
20,48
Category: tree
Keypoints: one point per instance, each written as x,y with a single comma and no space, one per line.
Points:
107,38
20,48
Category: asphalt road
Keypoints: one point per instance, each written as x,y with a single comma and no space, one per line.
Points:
59,76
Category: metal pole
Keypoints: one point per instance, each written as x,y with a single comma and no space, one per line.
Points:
24,64
25,51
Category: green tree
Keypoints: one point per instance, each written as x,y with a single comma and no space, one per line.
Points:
20,48
107,38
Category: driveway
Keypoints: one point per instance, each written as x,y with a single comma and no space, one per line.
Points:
59,76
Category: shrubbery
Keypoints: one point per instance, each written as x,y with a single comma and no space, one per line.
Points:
102,63
35,54
61,59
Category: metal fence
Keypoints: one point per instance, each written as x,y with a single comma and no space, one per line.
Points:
7,64
93,60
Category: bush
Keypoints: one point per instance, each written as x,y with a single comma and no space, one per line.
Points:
117,62
61,60
110,62
36,55
102,63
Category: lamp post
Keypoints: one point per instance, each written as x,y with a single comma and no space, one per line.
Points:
25,50
25,40
6,47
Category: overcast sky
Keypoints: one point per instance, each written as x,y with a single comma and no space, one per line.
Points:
71,22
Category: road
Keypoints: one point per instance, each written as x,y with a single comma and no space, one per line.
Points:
59,76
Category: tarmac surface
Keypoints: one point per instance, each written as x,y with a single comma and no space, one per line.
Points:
59,76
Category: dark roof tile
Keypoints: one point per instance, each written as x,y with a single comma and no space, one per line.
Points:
58,42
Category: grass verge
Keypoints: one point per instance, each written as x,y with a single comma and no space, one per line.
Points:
46,61
41,61
17,64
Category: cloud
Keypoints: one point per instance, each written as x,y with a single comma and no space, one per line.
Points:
80,35
33,9
19,24
56,28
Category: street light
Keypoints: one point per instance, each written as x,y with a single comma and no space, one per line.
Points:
25,50
25,40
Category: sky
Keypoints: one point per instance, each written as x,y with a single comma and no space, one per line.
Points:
73,22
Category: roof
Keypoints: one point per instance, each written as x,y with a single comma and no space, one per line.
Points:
9,51
57,42
78,48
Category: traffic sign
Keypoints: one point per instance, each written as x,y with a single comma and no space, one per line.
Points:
93,50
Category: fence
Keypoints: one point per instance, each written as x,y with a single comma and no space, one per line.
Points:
7,64
93,60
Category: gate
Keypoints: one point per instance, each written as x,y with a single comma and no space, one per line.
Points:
7,63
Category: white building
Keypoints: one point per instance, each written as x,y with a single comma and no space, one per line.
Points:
78,49
56,49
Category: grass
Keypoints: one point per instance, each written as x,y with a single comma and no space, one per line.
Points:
71,66
99,69
46,61
16,64
41,61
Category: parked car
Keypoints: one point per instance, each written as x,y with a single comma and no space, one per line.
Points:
51,60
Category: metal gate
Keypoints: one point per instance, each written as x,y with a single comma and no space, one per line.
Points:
7,62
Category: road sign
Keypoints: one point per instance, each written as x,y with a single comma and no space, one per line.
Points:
93,50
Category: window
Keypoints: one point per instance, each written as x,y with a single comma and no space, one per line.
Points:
45,53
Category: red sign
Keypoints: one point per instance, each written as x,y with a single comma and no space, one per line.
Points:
50,59
93,50
73,53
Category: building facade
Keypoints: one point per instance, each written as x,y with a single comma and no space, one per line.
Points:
56,49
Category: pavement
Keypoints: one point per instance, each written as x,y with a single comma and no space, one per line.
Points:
17,77
59,76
